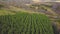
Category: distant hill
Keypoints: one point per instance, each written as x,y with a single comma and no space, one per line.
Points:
25,1
21,3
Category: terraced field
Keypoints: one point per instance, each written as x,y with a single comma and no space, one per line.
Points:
25,23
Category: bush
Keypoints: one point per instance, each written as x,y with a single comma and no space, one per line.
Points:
1,6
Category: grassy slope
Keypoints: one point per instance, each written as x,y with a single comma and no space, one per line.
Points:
6,21
24,22
6,12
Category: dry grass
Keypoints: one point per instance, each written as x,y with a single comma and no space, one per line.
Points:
6,12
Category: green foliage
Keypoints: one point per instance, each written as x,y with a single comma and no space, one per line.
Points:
1,5
25,23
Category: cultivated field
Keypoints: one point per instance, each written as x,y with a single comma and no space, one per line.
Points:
25,23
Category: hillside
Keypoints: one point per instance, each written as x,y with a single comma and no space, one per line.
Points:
25,23
14,11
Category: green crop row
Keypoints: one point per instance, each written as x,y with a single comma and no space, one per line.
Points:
25,23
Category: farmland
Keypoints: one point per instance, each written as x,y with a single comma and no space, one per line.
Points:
28,18
25,23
